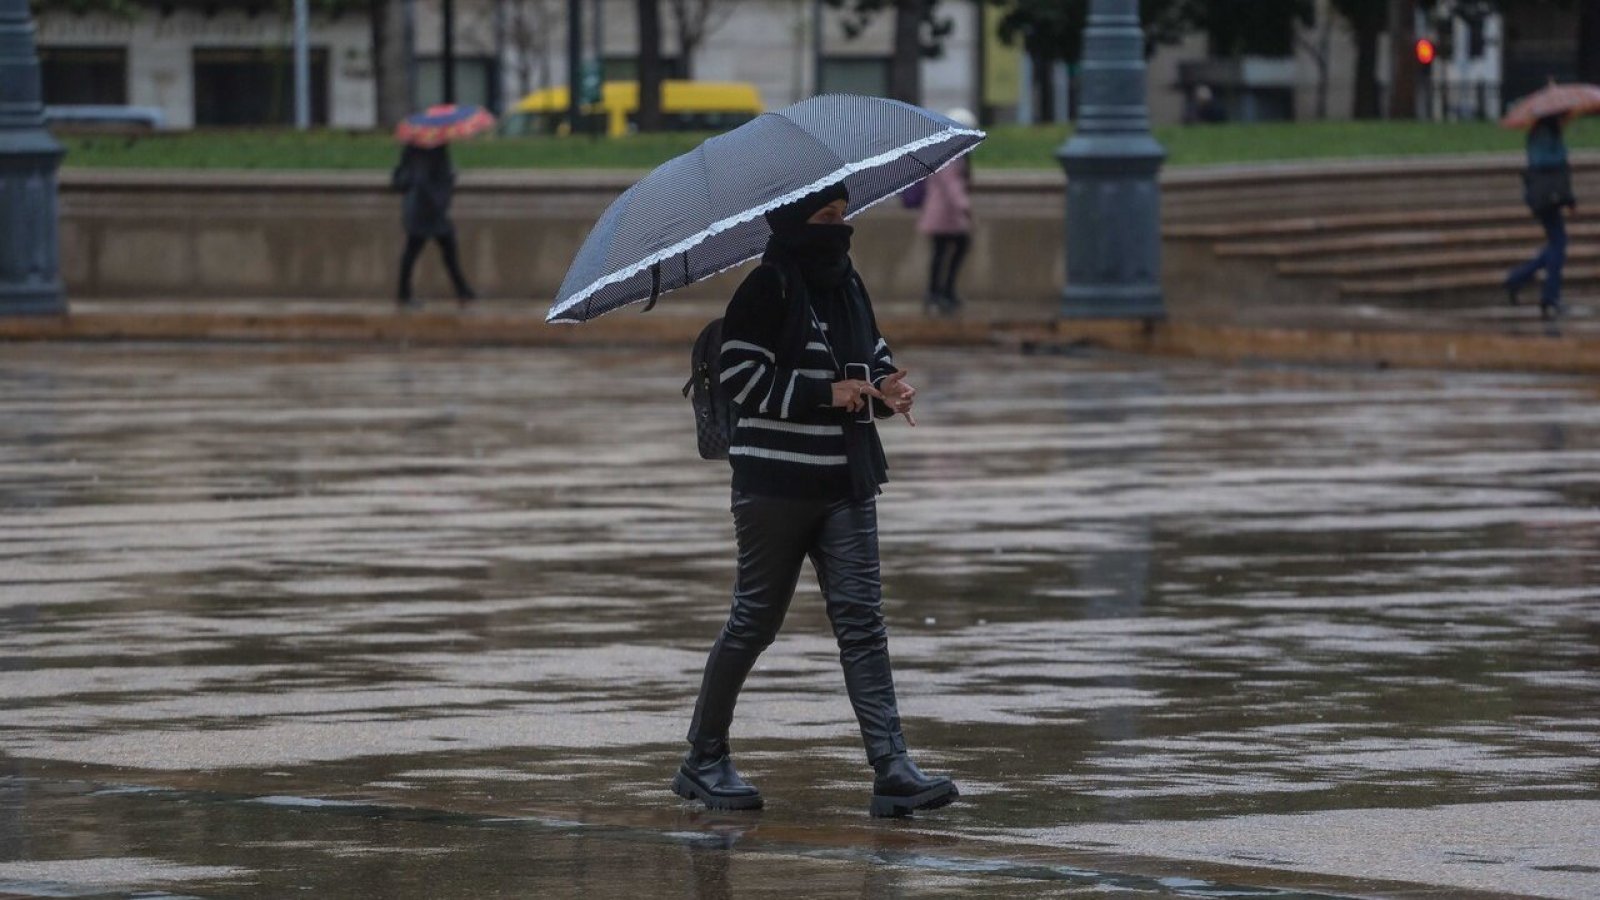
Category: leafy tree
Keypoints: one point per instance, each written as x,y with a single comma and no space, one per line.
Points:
1051,31
919,33
1250,27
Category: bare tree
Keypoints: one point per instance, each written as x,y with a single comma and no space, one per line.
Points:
905,67
531,27
1318,45
392,76
649,16
697,20
1403,82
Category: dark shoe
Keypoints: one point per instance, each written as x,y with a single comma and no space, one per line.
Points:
407,304
900,788
933,304
1550,311
466,298
1511,294
715,782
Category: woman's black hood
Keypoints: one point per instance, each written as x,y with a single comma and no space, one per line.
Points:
792,217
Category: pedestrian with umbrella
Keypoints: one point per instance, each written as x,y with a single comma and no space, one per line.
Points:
1547,183
808,373
426,179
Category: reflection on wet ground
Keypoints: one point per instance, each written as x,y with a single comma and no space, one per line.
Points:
430,623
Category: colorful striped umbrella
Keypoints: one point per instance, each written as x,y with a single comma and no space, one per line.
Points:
1554,100
444,123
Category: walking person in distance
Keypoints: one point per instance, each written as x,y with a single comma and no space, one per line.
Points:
426,179
1548,192
946,220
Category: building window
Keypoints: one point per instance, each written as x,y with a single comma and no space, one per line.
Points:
626,68
855,75
74,76
254,86
475,81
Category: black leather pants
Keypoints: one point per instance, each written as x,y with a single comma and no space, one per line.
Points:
775,536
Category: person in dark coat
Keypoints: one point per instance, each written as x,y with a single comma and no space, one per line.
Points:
809,372
1547,190
427,180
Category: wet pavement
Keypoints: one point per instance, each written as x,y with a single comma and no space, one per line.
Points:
280,621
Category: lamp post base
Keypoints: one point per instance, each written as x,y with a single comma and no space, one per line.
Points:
1112,301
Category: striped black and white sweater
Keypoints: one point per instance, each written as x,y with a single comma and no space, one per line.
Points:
789,439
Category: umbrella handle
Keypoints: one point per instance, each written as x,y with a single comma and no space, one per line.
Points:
655,288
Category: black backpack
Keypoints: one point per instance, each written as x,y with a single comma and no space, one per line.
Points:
713,406
714,412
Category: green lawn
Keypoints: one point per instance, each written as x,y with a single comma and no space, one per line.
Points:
1008,147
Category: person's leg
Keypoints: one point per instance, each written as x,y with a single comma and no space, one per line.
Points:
935,301
959,243
452,264
1555,258
408,260
772,535
846,559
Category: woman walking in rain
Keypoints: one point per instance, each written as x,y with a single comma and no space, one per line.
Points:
1548,189
947,221
427,179
808,372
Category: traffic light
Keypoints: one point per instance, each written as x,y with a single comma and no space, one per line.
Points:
1426,52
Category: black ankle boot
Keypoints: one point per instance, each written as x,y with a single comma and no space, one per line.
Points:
707,774
900,788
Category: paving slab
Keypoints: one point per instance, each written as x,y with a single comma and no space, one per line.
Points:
284,619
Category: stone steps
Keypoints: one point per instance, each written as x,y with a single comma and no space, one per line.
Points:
1386,241
1467,285
1420,263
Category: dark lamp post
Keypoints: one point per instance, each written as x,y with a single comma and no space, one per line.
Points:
1112,162
30,281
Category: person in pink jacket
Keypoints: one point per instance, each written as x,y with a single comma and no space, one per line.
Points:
947,220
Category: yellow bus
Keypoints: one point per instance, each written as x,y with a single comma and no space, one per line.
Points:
685,106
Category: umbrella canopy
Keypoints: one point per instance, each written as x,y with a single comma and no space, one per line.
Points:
1553,100
701,213
444,123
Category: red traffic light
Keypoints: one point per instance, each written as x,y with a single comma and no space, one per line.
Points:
1426,51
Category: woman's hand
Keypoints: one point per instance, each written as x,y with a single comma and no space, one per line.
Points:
853,394
899,395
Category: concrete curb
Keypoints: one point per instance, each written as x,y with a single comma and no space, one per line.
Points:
417,329
1451,350
1459,350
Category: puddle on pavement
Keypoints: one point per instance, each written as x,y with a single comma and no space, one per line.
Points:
1120,595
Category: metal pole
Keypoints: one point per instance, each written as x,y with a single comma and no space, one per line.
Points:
600,61
1112,161
496,98
447,57
816,47
409,49
302,64
30,280
574,66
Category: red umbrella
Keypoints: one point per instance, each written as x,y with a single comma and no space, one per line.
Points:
1554,100
444,123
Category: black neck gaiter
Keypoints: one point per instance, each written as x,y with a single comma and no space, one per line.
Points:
822,253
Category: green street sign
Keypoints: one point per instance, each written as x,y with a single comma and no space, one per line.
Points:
589,88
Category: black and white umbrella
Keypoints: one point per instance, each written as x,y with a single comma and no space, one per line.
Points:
701,213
